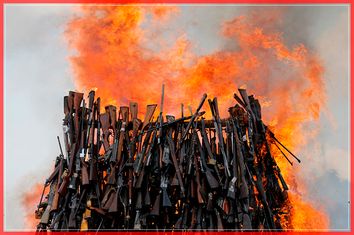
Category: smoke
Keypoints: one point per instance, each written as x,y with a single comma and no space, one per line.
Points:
36,79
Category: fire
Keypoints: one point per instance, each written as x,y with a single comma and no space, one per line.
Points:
121,51
314,218
29,202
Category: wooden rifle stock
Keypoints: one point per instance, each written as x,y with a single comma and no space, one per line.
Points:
134,118
56,195
108,198
150,109
112,112
156,208
84,173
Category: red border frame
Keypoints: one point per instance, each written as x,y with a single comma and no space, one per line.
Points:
172,2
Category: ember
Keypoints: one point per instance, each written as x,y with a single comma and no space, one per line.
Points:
119,172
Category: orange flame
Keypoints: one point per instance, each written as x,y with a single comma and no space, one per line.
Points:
121,51
29,202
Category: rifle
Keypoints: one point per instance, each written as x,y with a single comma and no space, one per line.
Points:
239,161
124,112
194,116
104,121
68,173
46,215
112,113
56,173
271,134
212,181
88,141
66,129
115,203
150,109
68,122
216,118
91,115
166,202
231,190
174,122
81,155
72,224
176,166
111,180
77,101
212,159
92,154
60,172
116,154
132,151
136,124
141,155
256,108
263,126
159,123
197,171
244,193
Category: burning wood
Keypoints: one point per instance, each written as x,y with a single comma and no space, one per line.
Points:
119,172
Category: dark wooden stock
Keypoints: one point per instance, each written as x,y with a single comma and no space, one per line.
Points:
133,110
66,106
156,208
55,202
111,180
112,111
91,99
84,173
114,204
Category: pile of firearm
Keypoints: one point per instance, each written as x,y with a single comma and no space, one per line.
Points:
121,173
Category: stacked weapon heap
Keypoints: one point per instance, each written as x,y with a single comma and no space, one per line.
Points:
119,172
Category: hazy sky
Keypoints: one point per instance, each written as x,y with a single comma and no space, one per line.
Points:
37,76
